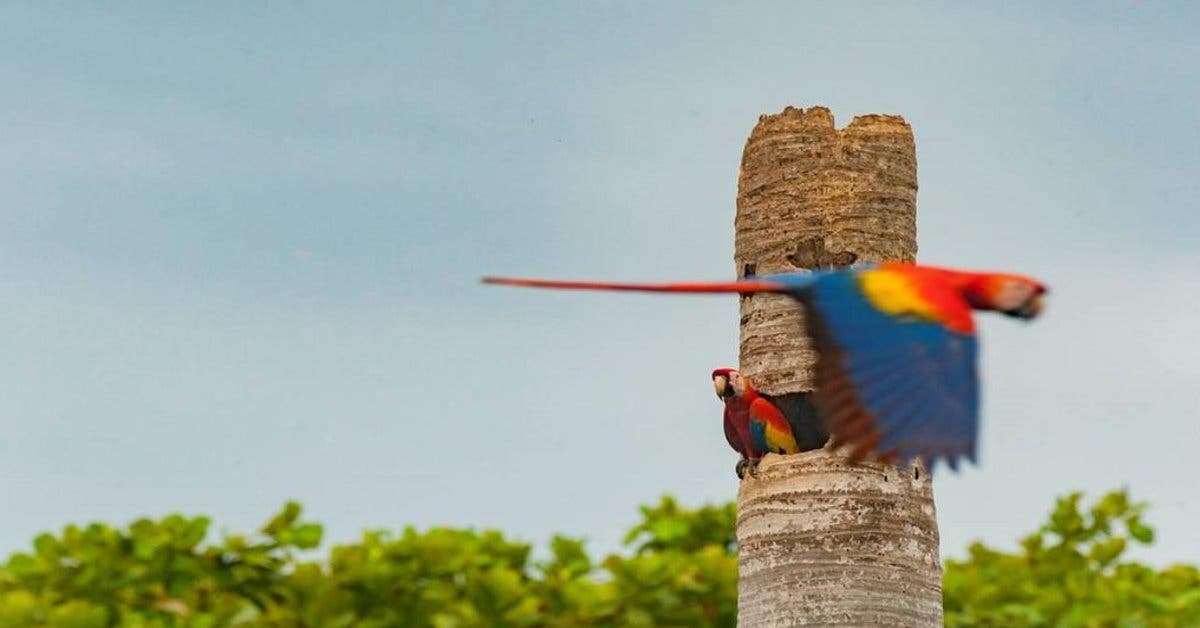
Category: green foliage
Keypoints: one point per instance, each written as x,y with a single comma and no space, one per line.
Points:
161,573
1070,573
152,573
681,570
668,526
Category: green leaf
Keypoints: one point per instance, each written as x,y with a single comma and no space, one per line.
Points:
307,536
1112,505
1108,550
18,609
1066,521
78,614
1140,531
46,546
197,529
283,519
1033,544
21,564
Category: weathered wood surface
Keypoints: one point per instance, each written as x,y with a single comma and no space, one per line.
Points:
822,542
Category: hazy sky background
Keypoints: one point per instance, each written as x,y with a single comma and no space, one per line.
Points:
239,245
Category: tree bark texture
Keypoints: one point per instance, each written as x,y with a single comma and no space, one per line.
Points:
822,542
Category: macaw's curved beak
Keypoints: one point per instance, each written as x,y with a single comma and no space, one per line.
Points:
1029,309
721,384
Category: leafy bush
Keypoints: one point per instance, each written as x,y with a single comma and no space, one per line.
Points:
1070,573
160,573
153,573
681,570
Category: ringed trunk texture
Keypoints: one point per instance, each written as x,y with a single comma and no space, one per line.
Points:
822,542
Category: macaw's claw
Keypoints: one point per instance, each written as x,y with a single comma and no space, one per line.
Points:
747,468
741,467
752,467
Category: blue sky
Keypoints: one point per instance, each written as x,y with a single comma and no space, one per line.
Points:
239,247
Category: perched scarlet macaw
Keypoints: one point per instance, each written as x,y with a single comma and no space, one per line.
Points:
731,389
896,374
757,424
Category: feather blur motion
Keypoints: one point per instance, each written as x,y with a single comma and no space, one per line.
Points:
896,372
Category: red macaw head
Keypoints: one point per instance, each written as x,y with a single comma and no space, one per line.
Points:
729,383
1013,295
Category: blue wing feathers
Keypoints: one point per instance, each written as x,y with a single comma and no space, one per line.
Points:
797,281
758,435
885,395
915,413
909,384
947,426
901,417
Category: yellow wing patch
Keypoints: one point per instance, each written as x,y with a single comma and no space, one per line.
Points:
778,439
777,432
894,293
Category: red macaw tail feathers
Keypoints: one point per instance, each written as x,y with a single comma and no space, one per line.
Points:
699,287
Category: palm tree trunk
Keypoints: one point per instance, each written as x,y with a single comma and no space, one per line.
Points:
821,541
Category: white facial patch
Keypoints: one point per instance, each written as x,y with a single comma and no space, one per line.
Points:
1013,294
739,384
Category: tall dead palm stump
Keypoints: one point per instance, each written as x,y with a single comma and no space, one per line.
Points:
822,542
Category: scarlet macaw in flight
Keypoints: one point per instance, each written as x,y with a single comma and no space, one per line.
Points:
896,373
